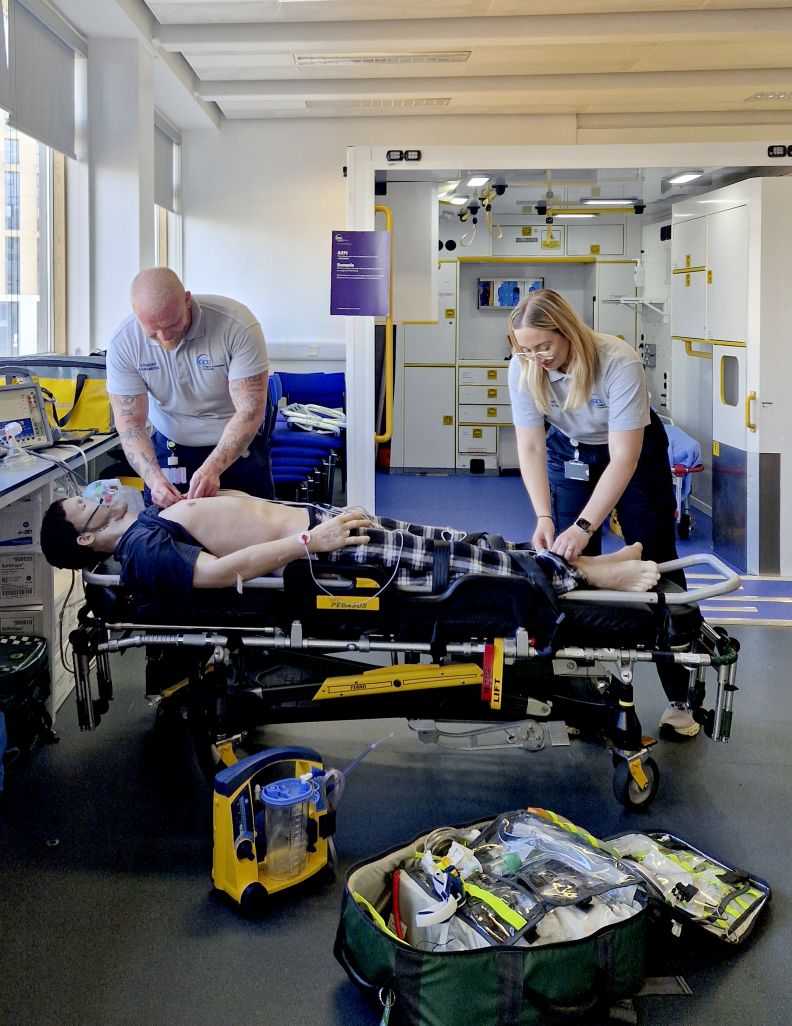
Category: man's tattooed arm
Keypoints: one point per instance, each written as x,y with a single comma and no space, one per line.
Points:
131,415
249,396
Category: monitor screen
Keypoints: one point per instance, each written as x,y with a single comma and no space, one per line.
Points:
24,404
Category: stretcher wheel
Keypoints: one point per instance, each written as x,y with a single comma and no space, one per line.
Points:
684,525
626,789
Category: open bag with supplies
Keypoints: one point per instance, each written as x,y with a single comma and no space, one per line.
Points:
690,890
510,920
526,918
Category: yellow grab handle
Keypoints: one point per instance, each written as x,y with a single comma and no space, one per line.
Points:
748,422
387,434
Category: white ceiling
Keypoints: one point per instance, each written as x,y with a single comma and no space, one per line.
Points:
590,58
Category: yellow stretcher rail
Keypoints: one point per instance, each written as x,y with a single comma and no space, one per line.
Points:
387,434
390,679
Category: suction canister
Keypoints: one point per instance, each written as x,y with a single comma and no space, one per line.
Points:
286,813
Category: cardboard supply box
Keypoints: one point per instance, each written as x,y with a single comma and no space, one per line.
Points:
23,578
20,524
22,621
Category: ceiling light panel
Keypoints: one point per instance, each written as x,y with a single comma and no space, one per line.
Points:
311,60
595,201
684,177
775,97
382,104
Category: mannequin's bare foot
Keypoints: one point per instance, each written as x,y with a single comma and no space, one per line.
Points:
619,575
626,553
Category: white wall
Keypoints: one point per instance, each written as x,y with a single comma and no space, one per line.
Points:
261,198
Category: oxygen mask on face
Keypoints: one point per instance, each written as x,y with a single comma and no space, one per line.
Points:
102,491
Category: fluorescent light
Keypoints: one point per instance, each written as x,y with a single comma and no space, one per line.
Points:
381,103
592,201
559,214
312,60
757,97
458,201
478,180
684,177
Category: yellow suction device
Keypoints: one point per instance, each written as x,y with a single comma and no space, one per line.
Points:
273,823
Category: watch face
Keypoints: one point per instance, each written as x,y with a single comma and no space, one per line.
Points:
584,525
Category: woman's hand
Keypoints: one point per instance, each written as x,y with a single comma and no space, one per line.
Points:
570,543
544,534
335,534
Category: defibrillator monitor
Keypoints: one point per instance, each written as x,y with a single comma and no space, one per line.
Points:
24,405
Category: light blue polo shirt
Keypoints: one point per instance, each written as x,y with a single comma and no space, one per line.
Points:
619,399
189,400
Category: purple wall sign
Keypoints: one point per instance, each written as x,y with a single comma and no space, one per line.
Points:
360,274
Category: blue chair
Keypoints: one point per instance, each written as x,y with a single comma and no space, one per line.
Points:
317,387
304,462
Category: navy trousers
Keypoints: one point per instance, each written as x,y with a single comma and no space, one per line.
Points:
251,473
645,510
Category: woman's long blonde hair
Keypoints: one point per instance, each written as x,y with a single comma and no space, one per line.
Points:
548,311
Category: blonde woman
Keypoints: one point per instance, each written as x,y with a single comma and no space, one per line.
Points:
588,442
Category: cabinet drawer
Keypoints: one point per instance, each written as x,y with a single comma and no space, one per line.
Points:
480,394
478,439
483,376
490,414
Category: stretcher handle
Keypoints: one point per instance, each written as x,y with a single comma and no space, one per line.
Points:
114,581
731,582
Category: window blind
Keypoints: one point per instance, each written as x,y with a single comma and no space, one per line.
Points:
164,189
42,78
5,73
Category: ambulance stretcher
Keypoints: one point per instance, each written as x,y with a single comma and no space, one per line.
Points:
498,654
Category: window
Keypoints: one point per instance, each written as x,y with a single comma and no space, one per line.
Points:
27,264
12,265
12,201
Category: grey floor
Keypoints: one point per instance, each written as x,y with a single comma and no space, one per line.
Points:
108,916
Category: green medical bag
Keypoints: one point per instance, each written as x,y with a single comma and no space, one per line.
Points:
493,985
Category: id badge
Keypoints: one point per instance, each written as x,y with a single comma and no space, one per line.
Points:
576,470
176,475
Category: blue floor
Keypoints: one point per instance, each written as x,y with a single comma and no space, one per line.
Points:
500,505
482,503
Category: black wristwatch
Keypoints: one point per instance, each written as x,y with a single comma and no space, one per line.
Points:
584,525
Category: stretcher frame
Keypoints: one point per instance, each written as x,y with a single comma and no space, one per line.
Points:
490,665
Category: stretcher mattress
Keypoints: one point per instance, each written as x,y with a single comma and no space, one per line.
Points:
474,606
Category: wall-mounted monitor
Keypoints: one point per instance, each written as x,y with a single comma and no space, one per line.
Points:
505,293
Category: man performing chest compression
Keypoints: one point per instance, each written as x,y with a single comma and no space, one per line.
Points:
216,541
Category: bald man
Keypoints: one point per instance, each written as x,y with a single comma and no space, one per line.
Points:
196,367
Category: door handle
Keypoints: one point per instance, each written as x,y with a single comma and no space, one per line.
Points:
750,425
